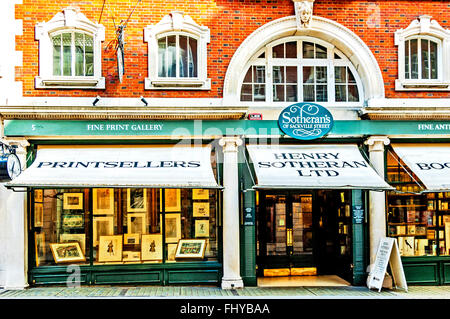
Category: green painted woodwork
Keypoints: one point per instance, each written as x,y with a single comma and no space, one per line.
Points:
193,276
188,128
359,262
127,277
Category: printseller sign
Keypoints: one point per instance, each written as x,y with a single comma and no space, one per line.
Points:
305,121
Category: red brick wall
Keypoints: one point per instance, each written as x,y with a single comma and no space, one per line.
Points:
230,22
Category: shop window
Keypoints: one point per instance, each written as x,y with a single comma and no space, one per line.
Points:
301,71
177,54
419,221
128,226
70,52
422,51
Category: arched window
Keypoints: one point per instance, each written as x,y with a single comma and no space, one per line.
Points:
300,69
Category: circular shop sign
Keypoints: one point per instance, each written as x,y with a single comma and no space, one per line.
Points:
305,121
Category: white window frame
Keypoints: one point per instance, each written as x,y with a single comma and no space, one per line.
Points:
427,29
70,20
330,62
178,24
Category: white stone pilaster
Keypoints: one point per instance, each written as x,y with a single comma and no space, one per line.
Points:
13,226
231,256
377,200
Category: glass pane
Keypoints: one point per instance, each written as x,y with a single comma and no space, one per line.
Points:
291,93
89,54
172,56
79,54
67,54
308,93
407,57
248,75
193,67
274,234
351,78
291,50
57,55
308,50
308,74
353,95
262,56
162,49
278,74
340,74
433,60
321,52
259,75
425,59
246,92
321,74
337,57
278,93
259,93
278,51
302,224
291,74
183,56
414,60
341,93
321,93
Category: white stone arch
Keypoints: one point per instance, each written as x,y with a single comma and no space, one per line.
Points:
327,30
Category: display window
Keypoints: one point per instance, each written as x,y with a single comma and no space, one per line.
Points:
123,225
419,221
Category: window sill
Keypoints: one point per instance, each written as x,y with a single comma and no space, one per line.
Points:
421,86
177,84
70,83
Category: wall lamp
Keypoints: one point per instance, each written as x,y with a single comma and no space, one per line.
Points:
96,100
144,101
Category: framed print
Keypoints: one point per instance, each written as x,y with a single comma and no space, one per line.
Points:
110,248
130,255
39,195
173,227
131,239
421,230
67,252
200,193
171,251
202,228
103,201
136,223
73,221
191,248
73,201
102,226
200,209
79,238
136,199
151,247
39,247
447,237
172,199
38,214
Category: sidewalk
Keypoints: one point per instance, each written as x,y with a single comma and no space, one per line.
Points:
177,292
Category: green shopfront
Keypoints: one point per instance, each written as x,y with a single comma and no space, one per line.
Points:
148,202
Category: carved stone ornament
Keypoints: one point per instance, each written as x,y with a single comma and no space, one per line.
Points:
303,12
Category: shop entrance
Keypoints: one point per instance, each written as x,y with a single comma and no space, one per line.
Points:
304,233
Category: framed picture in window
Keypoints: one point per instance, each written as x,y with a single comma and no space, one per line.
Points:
191,248
200,194
151,247
136,223
39,195
136,199
131,239
110,248
172,200
67,252
102,226
202,228
171,251
131,255
103,201
173,227
200,209
39,246
79,238
73,201
73,221
38,214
